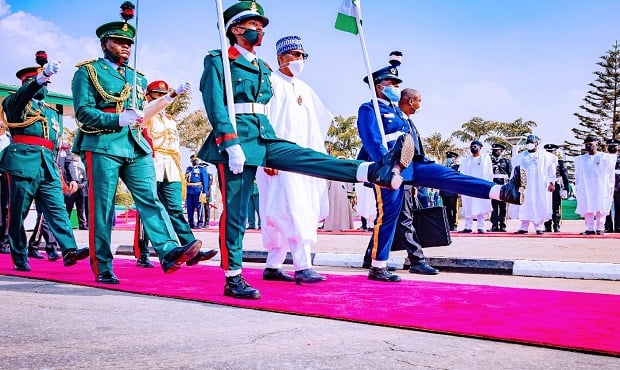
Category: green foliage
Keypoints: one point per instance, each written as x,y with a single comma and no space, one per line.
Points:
179,105
123,196
194,129
343,138
490,132
600,112
435,147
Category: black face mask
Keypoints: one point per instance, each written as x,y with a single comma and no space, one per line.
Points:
589,147
612,149
195,163
496,153
474,150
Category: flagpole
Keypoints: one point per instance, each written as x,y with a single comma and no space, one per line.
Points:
375,102
134,94
230,102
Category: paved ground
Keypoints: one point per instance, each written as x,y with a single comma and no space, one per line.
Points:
56,326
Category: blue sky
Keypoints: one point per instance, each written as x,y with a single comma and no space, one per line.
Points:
500,60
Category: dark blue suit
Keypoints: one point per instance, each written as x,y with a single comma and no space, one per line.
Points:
421,171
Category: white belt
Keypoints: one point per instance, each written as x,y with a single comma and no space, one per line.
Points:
250,108
393,136
500,176
617,172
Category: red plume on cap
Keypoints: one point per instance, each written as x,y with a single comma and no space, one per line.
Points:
41,57
127,10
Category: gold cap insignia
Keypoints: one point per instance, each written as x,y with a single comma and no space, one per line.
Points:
253,7
125,28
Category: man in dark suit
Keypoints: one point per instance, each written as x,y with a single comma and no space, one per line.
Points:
449,199
74,172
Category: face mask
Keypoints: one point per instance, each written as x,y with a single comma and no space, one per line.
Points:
590,147
392,93
449,161
114,58
195,163
252,36
496,153
530,146
474,150
296,67
612,149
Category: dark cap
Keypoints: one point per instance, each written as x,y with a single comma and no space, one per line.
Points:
498,146
116,30
451,155
390,72
242,11
551,147
590,139
476,142
194,156
612,142
28,72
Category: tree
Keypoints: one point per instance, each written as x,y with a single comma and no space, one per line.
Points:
179,105
435,147
343,138
475,129
600,113
194,129
491,132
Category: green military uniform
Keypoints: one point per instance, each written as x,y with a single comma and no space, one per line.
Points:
251,84
33,174
110,152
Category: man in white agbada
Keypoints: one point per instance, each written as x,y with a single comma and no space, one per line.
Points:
479,166
594,180
540,167
291,205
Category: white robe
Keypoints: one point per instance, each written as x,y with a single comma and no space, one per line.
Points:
366,203
482,168
594,182
165,136
540,168
291,205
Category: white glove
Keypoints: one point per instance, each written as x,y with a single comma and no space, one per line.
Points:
130,117
564,194
183,88
51,68
236,159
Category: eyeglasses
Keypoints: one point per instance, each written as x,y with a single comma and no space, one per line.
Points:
298,54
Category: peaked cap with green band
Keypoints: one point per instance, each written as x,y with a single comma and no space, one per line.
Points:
244,10
116,30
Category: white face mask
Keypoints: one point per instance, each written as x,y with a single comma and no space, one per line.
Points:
296,67
530,146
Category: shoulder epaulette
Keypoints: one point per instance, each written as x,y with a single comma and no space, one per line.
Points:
85,62
139,72
51,107
267,65
215,53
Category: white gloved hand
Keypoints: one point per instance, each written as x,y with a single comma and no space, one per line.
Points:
564,194
183,88
130,117
236,159
51,68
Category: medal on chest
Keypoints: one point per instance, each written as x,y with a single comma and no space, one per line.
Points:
299,100
55,124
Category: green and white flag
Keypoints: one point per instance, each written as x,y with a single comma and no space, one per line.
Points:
346,16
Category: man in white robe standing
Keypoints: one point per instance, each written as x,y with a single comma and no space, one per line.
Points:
540,169
594,180
479,166
291,205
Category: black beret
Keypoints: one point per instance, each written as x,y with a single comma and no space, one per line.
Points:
451,154
591,139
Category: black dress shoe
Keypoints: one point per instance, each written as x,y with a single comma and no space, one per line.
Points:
465,231
502,229
107,277
452,228
547,229
539,232
52,255
178,256
144,262
556,229
423,268
22,267
600,232
308,276
202,256
481,231
276,275
493,229
386,172
237,287
382,274
5,249
587,232
521,232
73,255
514,191
33,252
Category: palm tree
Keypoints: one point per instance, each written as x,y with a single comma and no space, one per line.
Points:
343,138
476,128
435,147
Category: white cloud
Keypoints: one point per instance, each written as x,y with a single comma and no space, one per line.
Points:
4,8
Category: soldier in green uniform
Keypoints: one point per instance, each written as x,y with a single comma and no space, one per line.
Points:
238,152
113,145
30,164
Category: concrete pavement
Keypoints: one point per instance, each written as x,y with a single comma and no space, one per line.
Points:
550,255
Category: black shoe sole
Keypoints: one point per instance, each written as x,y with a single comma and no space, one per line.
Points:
232,295
204,257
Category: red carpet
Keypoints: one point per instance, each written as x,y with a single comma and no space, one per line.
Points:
580,321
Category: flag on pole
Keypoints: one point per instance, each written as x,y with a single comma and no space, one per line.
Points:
346,16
